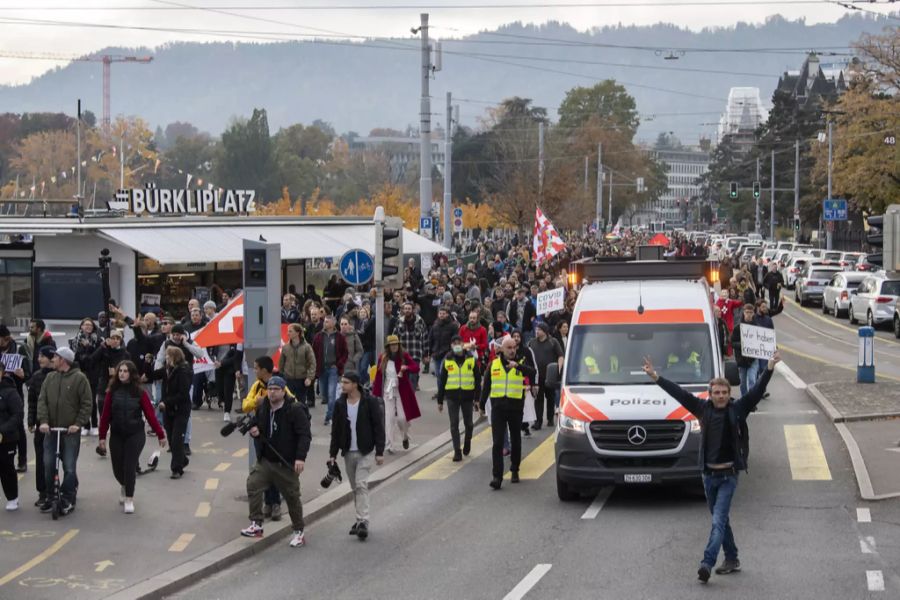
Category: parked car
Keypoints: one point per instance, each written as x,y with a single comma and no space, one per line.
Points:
874,300
848,260
836,297
812,281
896,321
791,269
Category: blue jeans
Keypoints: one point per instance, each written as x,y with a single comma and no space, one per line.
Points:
365,361
748,376
70,445
436,367
719,493
327,386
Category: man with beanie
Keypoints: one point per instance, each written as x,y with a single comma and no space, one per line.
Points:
281,430
545,350
65,401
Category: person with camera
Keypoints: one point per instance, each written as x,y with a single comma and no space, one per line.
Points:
458,382
724,448
125,406
175,405
356,431
282,435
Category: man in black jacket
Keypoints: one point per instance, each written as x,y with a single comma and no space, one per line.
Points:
282,433
10,420
442,331
45,355
459,383
724,447
357,428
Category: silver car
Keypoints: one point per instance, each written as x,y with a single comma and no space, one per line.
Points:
836,297
874,300
812,281
791,269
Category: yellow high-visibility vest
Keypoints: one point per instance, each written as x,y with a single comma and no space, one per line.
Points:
613,364
506,384
591,364
460,377
693,359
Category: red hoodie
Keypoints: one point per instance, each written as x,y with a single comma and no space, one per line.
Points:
478,335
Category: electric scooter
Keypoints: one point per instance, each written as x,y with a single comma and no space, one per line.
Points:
55,494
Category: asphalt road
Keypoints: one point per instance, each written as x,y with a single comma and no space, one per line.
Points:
795,520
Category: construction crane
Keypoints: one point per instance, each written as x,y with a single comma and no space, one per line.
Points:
106,59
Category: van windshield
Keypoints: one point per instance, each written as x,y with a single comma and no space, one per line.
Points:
613,354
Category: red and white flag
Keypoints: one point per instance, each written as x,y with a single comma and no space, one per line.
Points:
547,242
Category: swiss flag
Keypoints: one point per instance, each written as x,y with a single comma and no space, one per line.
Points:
227,327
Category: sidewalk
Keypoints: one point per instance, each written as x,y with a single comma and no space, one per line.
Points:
866,417
179,526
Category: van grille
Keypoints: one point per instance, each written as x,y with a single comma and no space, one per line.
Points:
660,435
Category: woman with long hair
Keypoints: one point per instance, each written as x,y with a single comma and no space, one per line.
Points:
175,405
393,384
121,416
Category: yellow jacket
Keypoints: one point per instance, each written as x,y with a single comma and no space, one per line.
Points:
256,393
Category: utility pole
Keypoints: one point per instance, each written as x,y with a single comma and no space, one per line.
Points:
78,160
599,189
448,195
587,162
425,126
756,189
772,201
796,189
540,162
122,162
609,208
830,225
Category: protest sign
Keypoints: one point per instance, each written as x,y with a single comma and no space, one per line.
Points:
757,342
551,301
11,361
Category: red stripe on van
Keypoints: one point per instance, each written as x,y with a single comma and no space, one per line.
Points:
620,317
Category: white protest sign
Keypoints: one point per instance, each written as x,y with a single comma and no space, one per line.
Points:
11,361
757,342
550,301
203,363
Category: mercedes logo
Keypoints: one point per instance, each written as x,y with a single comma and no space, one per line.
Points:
637,435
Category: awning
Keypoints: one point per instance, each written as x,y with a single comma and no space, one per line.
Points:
190,244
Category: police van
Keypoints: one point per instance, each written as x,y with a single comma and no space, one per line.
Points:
615,425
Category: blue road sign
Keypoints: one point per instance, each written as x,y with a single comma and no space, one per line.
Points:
834,210
425,224
357,267
457,212
437,223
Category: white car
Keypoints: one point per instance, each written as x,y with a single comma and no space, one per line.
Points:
874,300
848,260
791,269
812,281
836,297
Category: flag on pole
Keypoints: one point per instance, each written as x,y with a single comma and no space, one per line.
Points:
547,242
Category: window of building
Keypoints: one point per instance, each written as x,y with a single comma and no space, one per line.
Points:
15,290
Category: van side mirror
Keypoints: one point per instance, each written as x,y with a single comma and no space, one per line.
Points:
731,372
552,379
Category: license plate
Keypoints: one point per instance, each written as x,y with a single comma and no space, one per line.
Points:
638,478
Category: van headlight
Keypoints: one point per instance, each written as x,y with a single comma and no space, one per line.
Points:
567,423
695,425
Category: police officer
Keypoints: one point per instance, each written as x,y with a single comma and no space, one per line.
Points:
459,382
504,384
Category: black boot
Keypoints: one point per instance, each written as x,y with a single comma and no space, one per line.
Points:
467,446
457,455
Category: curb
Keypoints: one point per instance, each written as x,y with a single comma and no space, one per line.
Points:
222,557
836,416
863,481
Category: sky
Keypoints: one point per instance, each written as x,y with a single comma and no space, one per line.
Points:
36,28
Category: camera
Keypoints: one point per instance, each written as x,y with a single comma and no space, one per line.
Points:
334,472
243,425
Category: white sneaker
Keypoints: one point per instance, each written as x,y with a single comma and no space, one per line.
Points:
95,432
227,417
85,431
298,539
122,495
129,507
13,504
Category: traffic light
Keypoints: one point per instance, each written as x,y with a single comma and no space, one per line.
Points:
875,238
756,190
797,225
733,191
389,251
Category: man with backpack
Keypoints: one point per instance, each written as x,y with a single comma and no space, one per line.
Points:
724,449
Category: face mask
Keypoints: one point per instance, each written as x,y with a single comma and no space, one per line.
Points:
457,349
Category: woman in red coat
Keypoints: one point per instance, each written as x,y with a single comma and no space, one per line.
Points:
393,385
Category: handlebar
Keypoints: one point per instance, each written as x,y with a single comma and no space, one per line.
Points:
59,429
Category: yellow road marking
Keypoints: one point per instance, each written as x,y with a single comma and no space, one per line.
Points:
833,322
53,549
182,542
211,484
240,453
790,350
444,467
538,460
222,467
805,453
203,510
207,444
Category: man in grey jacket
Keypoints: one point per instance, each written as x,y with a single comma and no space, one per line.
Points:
354,346
65,401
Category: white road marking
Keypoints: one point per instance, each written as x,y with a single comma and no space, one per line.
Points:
533,577
875,581
792,377
867,544
594,509
786,412
863,515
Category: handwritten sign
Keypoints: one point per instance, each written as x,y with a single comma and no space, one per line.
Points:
11,361
550,301
757,342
